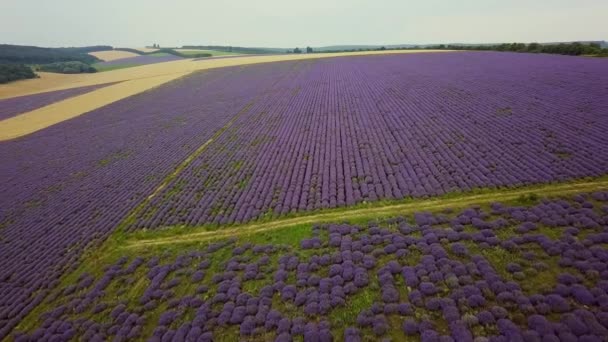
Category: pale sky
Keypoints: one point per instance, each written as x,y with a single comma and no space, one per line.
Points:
287,23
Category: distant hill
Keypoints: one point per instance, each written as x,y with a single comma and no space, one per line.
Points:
362,47
236,49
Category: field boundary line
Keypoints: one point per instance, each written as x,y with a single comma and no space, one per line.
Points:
404,208
55,113
197,152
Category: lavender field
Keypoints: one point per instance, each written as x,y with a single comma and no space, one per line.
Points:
65,192
246,149
348,131
478,274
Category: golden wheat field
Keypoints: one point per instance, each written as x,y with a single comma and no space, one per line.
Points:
112,55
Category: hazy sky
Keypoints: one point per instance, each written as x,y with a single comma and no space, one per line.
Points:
287,23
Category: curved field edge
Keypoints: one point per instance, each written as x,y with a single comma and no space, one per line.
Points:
292,230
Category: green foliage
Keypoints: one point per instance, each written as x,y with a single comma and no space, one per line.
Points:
87,49
14,72
297,50
184,55
72,67
572,49
16,54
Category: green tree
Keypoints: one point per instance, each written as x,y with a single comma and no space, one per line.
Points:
534,47
297,50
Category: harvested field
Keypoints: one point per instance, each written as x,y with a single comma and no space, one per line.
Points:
108,56
55,113
46,82
17,105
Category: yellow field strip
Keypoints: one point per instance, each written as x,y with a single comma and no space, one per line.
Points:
393,209
64,110
112,55
138,79
52,82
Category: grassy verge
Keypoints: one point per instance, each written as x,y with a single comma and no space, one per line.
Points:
366,211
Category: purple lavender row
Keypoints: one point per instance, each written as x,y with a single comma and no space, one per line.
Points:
353,130
66,188
140,60
22,104
438,277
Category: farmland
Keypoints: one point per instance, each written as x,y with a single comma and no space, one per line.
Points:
396,196
212,52
135,61
111,55
23,104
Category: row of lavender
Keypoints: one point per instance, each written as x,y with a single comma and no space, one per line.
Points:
360,129
22,104
67,187
506,274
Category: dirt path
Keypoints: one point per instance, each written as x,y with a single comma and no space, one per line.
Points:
404,208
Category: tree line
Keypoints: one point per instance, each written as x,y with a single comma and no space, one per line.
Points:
572,49
14,72
17,62
16,54
234,49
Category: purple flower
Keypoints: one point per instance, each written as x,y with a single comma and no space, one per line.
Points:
410,326
390,294
427,288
